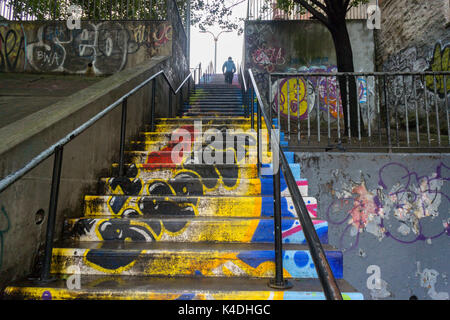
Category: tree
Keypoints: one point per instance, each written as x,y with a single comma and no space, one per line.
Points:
204,13
332,14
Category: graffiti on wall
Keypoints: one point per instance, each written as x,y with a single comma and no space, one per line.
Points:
268,58
104,47
400,89
439,62
428,280
314,93
404,207
12,48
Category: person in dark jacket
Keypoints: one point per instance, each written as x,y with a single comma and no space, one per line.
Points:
228,70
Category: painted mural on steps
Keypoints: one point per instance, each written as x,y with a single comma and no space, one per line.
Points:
97,48
151,190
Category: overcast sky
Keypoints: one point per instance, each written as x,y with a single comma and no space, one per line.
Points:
229,44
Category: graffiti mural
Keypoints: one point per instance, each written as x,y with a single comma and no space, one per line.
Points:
269,58
12,48
404,207
182,190
314,92
400,89
439,62
103,47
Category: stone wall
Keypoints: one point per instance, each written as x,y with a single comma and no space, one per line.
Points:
414,35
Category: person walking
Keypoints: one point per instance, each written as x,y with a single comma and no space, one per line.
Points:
228,69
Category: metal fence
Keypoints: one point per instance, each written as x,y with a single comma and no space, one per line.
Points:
24,10
388,110
267,10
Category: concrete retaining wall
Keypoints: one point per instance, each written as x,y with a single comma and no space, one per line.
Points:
98,48
390,215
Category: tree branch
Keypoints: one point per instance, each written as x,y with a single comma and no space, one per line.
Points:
321,17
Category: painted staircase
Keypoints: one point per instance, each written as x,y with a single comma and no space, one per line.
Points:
177,228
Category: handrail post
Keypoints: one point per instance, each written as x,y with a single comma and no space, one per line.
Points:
170,103
270,100
252,108
180,107
258,138
123,126
152,111
53,205
278,282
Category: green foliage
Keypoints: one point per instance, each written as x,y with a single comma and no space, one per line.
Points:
296,6
209,13
204,13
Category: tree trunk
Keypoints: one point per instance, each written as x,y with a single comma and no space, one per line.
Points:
344,56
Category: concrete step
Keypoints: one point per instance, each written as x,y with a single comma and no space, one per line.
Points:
112,287
209,120
165,171
226,260
191,185
188,229
180,157
231,125
201,206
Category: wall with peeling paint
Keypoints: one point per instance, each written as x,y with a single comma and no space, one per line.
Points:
391,211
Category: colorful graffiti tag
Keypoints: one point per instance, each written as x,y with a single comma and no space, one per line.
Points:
12,48
401,89
399,209
314,92
104,47
268,58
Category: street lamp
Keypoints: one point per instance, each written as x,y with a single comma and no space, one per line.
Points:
215,45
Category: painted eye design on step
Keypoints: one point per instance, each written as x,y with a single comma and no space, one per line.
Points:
130,184
187,184
125,230
156,204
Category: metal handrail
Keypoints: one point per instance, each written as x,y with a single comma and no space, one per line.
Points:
242,72
334,74
58,147
375,109
325,274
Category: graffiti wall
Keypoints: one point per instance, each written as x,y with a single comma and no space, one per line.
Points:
303,46
98,48
393,213
301,97
404,45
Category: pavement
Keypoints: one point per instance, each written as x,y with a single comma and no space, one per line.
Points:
22,94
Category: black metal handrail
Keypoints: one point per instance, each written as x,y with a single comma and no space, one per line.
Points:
386,106
325,274
58,148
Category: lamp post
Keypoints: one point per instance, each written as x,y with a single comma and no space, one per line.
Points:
216,38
